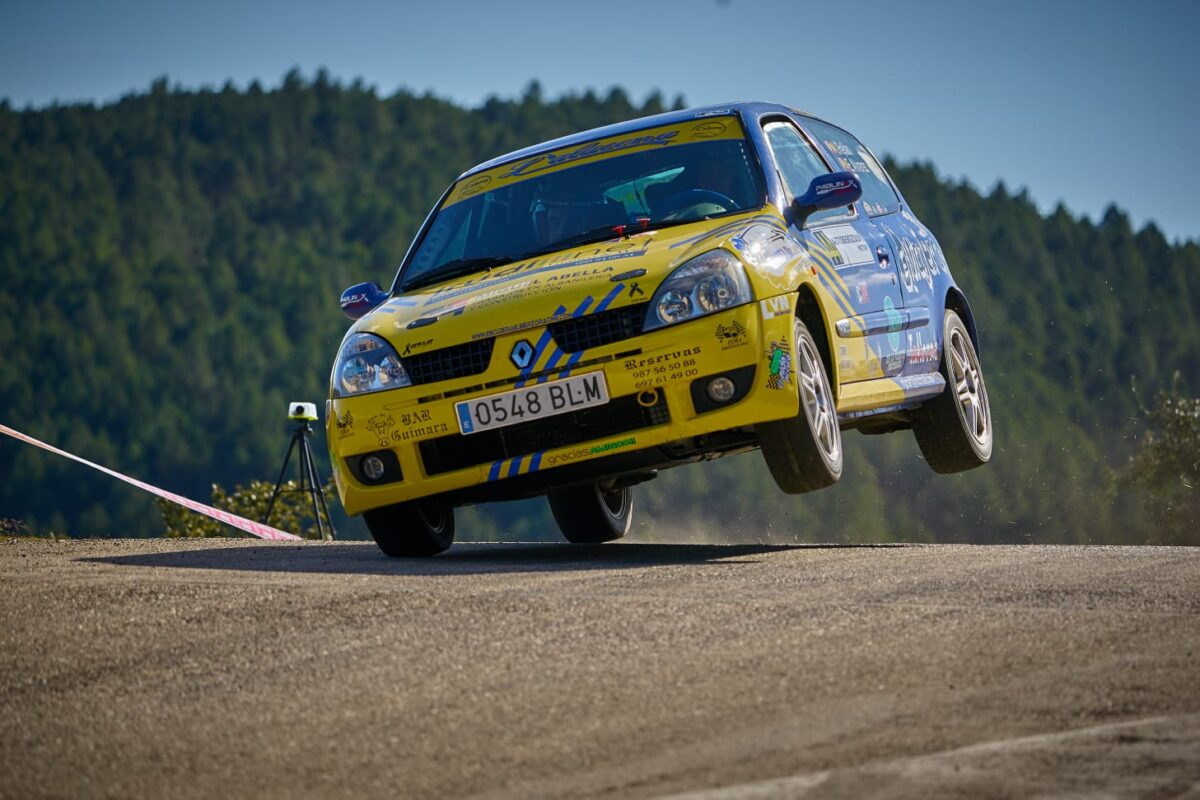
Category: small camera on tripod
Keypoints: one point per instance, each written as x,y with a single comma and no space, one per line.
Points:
302,412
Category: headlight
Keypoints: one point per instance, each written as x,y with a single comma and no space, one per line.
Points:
367,364
706,284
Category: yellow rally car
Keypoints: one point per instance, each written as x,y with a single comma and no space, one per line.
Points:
575,316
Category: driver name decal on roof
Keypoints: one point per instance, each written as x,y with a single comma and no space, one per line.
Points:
552,161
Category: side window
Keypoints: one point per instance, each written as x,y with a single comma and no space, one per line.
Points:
798,164
878,195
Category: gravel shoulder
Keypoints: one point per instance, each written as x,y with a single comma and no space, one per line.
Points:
149,668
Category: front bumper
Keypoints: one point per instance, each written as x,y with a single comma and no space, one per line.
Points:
652,404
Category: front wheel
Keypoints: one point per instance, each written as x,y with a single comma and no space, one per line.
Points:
954,429
804,452
417,528
590,515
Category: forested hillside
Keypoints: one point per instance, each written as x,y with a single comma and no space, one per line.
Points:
171,265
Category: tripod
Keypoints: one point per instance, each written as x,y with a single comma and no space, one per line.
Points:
309,482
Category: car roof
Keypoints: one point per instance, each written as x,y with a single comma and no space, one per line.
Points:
744,108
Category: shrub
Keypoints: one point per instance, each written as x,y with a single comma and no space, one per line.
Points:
292,511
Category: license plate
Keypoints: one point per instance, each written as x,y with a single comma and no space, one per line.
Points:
533,402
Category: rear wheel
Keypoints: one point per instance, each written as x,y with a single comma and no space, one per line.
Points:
954,429
414,529
804,452
590,515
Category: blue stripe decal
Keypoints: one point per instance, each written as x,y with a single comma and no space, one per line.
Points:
554,357
537,351
578,312
495,471
535,461
571,362
837,298
583,307
608,298
515,469
541,345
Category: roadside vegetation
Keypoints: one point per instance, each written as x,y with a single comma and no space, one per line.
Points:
291,512
171,265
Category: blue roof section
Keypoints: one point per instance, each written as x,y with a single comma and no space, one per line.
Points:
668,118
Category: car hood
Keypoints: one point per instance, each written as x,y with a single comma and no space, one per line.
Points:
532,293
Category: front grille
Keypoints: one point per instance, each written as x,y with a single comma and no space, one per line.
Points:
619,415
595,330
458,361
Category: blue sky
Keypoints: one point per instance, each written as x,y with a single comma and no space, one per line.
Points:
1089,103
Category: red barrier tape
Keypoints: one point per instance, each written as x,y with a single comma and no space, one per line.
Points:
241,523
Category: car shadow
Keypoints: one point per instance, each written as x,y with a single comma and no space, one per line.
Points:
342,558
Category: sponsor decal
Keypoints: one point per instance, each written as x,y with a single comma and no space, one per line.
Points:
584,452
779,365
707,130
531,274
475,185
844,245
921,351
412,347
566,157
520,326
409,418
604,448
775,306
345,424
833,186
921,260
419,433
381,425
838,148
550,160
854,164
664,368
895,323
731,335
635,290
661,358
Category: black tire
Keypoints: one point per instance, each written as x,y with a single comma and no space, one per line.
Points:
415,529
589,515
954,429
804,452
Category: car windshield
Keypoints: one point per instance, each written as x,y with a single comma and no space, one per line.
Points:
587,193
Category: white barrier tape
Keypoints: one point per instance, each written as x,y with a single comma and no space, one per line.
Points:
241,523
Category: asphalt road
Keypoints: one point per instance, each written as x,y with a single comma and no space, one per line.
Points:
217,669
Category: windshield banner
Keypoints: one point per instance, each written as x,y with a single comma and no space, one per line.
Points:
703,130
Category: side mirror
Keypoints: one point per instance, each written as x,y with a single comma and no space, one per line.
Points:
827,191
361,298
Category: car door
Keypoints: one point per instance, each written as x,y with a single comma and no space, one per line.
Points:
912,250
857,265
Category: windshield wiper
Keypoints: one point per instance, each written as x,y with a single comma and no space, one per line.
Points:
603,233
606,232
458,267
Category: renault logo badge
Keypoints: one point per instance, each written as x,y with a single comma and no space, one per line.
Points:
522,354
